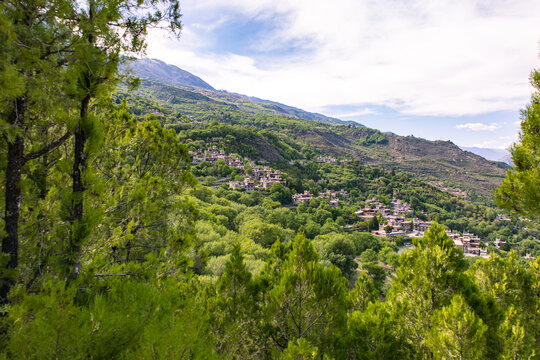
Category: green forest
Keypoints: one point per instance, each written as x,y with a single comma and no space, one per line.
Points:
117,244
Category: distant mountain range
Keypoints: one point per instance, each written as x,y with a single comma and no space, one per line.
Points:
501,155
431,161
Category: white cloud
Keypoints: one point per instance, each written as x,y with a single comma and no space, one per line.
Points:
363,112
479,126
447,57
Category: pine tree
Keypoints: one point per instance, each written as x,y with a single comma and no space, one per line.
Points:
427,278
363,294
32,66
237,314
514,290
137,197
374,334
105,30
308,301
457,333
520,190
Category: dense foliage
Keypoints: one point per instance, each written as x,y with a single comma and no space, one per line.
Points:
519,191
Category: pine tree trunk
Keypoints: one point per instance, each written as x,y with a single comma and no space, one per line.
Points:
78,232
79,165
15,162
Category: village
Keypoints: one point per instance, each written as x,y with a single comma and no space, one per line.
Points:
399,224
332,196
331,160
261,178
397,220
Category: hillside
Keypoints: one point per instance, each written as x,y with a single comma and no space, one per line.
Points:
440,160
271,135
429,160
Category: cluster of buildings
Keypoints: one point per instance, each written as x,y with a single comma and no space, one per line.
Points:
328,194
502,217
396,216
372,206
263,178
247,185
302,198
469,243
327,159
498,242
371,209
332,196
213,154
398,225
330,160
194,123
267,177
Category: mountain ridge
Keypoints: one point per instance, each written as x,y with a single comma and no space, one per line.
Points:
159,71
292,137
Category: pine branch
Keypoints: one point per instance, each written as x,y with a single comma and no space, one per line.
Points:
47,148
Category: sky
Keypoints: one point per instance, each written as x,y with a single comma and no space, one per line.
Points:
438,69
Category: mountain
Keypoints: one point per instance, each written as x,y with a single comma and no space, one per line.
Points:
158,71
501,155
268,131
